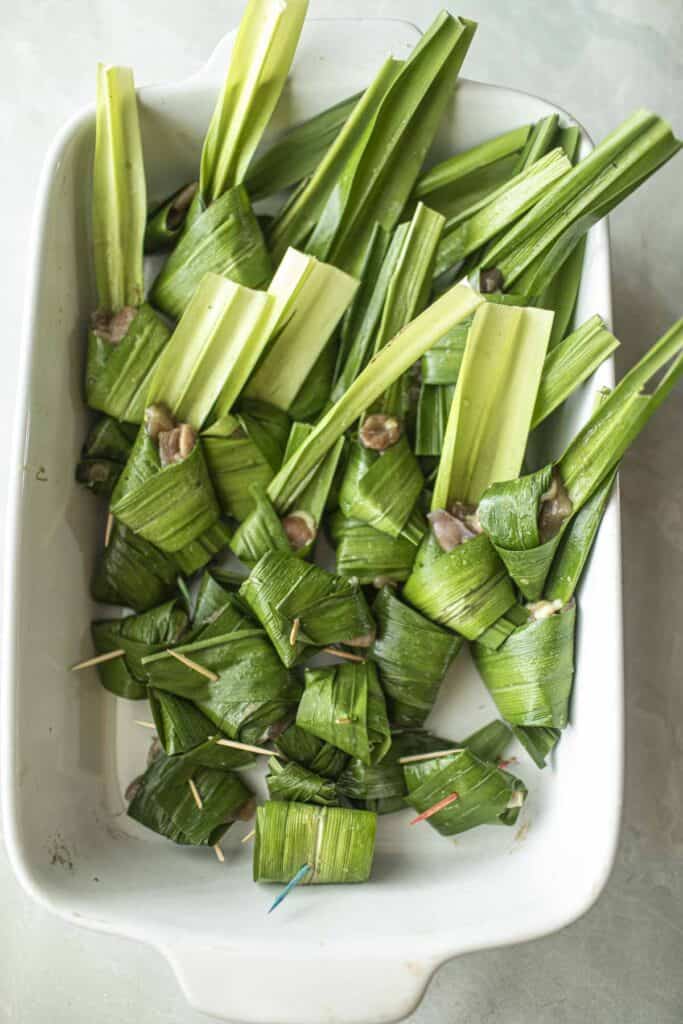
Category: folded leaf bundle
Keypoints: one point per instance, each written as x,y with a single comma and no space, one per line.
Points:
378,177
381,787
321,758
169,506
344,705
412,655
530,676
338,844
387,366
222,334
381,488
330,609
104,455
225,239
134,573
487,795
218,609
127,335
526,518
263,530
458,579
530,252
137,636
244,451
118,372
253,691
311,298
164,801
470,229
291,781
460,181
183,729
298,152
371,556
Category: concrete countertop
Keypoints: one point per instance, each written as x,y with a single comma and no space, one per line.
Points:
600,59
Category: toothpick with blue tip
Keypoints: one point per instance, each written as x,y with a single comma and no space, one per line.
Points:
298,877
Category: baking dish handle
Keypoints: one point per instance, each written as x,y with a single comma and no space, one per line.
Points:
235,987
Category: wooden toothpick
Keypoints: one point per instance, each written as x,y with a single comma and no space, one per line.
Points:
294,632
249,835
195,793
219,853
108,528
189,663
344,654
250,748
435,808
428,757
145,725
98,659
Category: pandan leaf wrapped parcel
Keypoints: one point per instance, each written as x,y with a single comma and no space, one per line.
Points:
322,758
412,655
137,636
337,843
132,572
486,794
291,781
373,557
104,455
329,609
164,801
344,705
183,729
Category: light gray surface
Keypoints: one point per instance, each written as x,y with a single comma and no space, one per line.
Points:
600,60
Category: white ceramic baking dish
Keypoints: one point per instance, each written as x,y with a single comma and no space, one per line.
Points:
343,954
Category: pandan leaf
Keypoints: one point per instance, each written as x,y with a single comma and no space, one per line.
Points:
311,298
294,224
322,758
252,693
213,350
199,552
434,405
297,154
368,555
486,794
542,138
562,292
137,635
183,729
381,489
386,367
261,531
337,843
380,174
170,507
412,655
118,210
489,742
570,363
538,741
104,455
381,787
344,705
363,315
224,239
466,589
118,375
458,182
165,804
242,452
493,403
581,197
509,511
470,229
314,394
291,781
530,676
330,609
133,573
165,222
259,64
